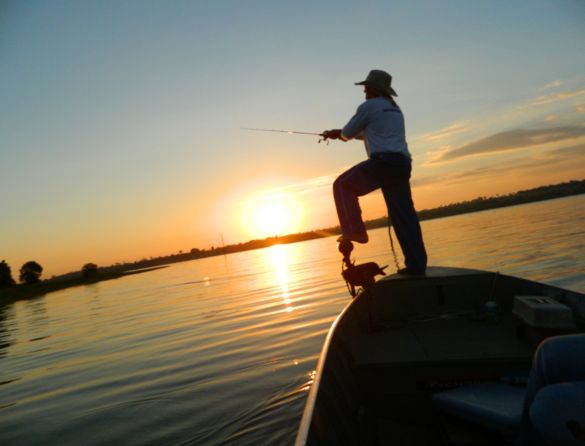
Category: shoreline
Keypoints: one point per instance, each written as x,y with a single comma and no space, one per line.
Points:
24,292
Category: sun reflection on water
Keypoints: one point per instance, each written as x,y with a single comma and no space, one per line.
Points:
280,261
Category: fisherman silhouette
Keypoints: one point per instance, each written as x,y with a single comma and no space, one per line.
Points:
379,122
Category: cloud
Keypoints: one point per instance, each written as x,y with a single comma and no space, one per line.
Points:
310,185
577,151
555,97
553,84
510,140
446,132
559,158
551,118
449,177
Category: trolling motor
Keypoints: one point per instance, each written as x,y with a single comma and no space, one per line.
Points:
357,275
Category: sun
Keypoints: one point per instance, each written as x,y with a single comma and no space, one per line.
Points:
272,218
269,215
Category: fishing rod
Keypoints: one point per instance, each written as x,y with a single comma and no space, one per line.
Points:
290,132
282,131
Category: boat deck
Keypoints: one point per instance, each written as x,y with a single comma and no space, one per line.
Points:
454,336
401,366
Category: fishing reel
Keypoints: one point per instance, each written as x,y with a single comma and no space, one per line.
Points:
328,135
357,275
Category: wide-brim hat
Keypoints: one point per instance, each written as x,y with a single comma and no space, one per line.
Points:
380,80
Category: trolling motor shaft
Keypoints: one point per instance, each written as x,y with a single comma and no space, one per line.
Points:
345,247
357,275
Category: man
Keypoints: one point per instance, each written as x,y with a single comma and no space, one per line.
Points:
380,124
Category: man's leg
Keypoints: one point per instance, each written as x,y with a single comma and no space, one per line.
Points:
353,183
401,210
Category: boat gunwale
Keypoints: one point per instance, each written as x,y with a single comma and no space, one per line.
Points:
305,424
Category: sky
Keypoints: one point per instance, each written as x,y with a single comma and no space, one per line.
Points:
121,122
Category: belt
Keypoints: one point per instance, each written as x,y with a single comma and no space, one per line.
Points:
389,156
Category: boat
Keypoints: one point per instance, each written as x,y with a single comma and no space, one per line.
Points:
400,362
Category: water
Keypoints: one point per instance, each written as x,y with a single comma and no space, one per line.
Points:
222,350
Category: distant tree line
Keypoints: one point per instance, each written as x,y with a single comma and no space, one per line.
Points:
89,270
30,273
521,197
485,203
6,279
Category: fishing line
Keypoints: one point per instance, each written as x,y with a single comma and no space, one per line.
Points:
392,244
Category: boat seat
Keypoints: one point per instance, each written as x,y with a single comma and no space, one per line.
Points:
553,397
495,406
557,416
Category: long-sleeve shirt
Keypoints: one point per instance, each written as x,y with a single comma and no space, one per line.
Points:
382,124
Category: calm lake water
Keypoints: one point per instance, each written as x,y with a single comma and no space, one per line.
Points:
221,350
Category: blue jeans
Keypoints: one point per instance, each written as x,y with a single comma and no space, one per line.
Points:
391,173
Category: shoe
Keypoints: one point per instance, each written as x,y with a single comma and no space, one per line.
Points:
358,238
410,272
